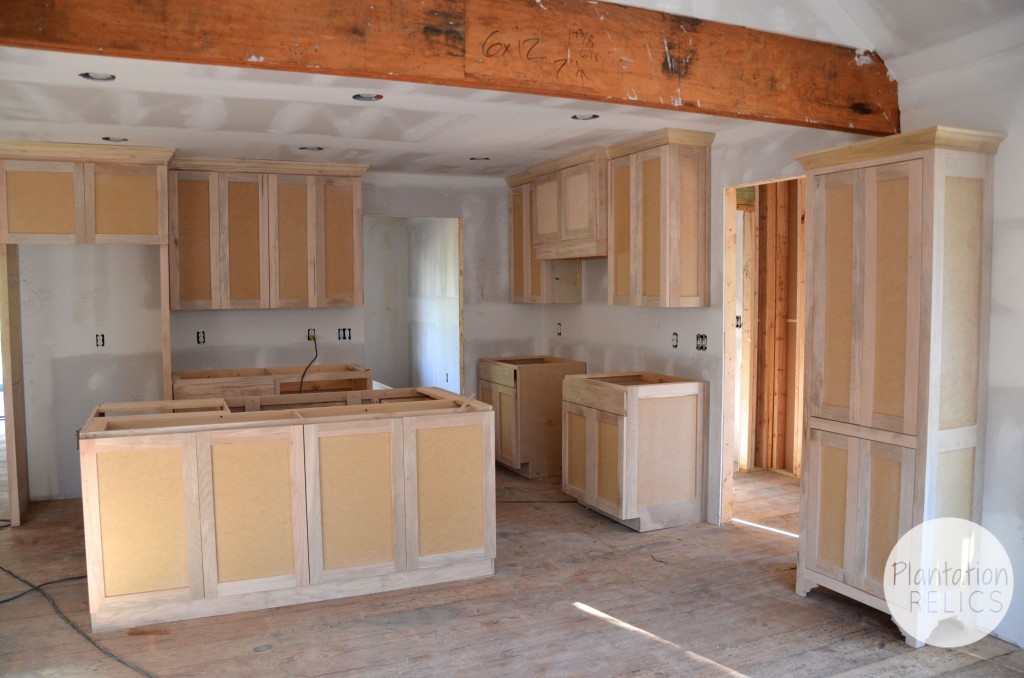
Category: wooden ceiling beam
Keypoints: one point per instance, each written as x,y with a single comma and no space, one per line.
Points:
567,48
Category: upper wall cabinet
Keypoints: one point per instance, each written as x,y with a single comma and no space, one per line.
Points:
658,220
533,280
83,193
251,234
567,214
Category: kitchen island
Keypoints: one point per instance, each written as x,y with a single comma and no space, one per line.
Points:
192,510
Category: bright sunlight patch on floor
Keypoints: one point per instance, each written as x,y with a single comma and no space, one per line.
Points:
623,625
765,527
647,634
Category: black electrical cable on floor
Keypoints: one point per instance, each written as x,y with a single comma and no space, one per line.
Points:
77,629
303,378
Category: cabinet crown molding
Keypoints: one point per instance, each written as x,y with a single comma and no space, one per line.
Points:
556,164
660,137
44,150
268,167
950,138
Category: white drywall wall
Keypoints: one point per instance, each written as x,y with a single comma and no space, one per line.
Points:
69,294
385,298
264,337
989,95
492,326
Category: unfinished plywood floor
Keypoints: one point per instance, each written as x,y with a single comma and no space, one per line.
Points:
574,594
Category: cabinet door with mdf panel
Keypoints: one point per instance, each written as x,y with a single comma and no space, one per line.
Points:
126,204
503,399
292,209
141,508
658,220
339,250
899,255
634,445
355,497
533,280
253,508
449,489
244,228
195,269
44,201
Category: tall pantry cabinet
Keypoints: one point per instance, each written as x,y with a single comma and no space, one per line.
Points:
899,250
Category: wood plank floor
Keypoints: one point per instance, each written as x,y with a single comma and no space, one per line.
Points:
574,594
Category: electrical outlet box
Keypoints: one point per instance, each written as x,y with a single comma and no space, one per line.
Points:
311,334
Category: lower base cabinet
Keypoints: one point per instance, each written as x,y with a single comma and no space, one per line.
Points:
634,447
525,392
260,510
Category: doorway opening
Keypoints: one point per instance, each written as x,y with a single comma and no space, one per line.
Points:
412,281
763,346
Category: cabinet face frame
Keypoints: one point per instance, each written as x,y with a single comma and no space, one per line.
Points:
299,576
211,234
91,502
77,198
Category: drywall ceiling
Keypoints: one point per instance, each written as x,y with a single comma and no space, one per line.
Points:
249,113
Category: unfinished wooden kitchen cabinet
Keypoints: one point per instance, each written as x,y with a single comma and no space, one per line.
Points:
192,510
261,234
525,392
533,280
567,208
634,447
82,193
899,248
658,240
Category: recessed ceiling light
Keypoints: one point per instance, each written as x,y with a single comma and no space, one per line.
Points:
480,157
116,140
97,76
586,116
366,96
311,148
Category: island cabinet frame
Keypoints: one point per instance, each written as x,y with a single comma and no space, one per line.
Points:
238,385
658,224
525,392
265,234
192,510
634,447
898,274
52,193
